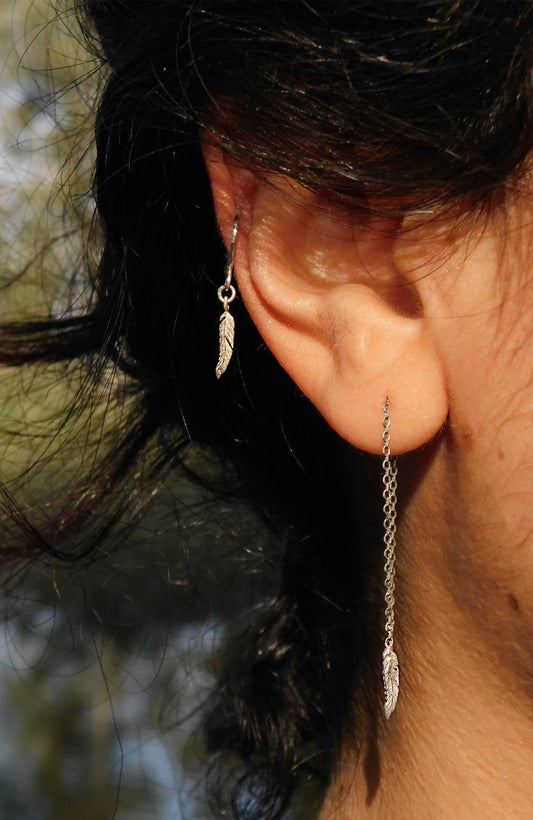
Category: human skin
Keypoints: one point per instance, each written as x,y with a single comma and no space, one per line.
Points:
434,312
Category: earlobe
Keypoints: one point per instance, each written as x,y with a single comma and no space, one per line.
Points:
329,302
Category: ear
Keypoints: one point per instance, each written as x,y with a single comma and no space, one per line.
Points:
326,294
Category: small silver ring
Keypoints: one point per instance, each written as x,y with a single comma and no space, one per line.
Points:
226,299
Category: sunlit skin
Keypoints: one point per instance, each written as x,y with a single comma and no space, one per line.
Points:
437,314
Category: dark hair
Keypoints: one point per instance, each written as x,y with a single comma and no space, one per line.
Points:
387,107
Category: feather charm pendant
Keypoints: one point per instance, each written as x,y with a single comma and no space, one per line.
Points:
226,337
391,680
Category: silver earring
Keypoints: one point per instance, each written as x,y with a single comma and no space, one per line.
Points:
226,294
391,669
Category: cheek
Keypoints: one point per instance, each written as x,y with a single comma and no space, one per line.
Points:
483,320
490,380
489,497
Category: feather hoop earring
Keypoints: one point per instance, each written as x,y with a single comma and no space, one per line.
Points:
226,294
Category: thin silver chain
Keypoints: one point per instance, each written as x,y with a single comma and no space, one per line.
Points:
390,471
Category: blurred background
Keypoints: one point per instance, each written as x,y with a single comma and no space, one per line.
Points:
103,664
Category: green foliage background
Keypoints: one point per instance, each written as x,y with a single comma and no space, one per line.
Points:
47,84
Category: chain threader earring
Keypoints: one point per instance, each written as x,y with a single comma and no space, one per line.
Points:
391,669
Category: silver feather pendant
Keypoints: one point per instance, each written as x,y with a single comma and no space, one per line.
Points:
391,680
226,335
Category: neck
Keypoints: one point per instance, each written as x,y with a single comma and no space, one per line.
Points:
460,743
